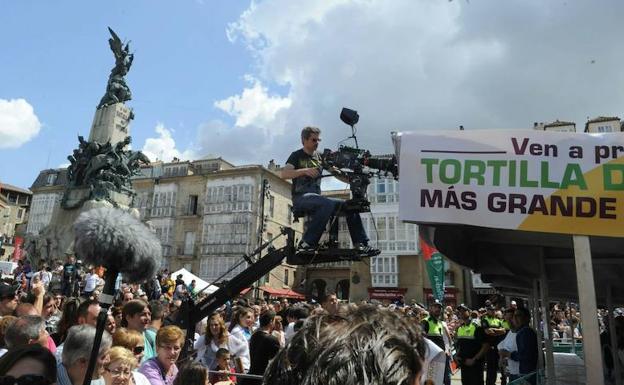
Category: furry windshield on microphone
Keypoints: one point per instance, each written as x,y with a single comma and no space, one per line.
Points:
114,239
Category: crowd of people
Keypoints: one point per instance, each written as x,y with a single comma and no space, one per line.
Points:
49,322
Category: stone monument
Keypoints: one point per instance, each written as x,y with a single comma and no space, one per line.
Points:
101,167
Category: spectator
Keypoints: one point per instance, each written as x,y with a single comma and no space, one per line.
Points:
526,342
242,322
44,276
137,316
8,298
330,303
507,345
131,340
158,315
278,330
111,324
192,374
5,322
332,349
217,337
120,370
222,366
162,369
70,276
92,281
26,330
127,297
262,347
174,307
29,364
294,314
78,345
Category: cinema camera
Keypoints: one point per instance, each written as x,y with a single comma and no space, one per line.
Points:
358,165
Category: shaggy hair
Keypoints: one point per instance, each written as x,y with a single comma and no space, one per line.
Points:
367,346
114,239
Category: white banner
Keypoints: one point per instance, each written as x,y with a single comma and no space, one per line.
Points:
557,182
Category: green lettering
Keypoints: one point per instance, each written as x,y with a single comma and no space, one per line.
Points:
476,174
524,177
573,176
455,167
429,162
512,173
496,170
544,177
608,177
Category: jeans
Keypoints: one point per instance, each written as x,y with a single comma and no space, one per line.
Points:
321,209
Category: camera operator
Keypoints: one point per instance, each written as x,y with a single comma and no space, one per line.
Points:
305,167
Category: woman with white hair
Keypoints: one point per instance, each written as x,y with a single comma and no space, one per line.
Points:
76,353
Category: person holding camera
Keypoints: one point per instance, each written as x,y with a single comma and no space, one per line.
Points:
305,167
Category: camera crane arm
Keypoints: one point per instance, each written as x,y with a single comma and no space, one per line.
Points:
191,313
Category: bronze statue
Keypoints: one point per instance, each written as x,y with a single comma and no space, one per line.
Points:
117,91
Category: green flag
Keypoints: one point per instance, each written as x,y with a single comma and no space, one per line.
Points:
434,262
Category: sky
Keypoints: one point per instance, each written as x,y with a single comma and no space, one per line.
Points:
239,79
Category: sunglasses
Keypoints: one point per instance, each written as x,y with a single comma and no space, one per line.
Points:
135,350
28,379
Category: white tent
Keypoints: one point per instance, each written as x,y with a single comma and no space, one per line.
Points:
187,277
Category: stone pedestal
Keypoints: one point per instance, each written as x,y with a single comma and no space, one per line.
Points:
57,238
111,124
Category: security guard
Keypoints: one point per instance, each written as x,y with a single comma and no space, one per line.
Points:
494,332
471,348
434,328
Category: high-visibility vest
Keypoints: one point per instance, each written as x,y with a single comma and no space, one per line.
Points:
435,327
493,322
467,331
506,325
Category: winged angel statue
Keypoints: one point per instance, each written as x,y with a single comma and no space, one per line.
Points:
117,91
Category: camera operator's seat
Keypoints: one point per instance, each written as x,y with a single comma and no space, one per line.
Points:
330,251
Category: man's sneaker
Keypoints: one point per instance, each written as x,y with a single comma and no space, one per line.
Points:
366,249
305,247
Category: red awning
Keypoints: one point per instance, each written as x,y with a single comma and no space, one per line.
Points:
245,291
282,293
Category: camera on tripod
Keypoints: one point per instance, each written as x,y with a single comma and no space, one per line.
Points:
358,165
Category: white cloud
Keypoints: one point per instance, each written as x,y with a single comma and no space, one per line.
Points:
163,147
254,106
18,123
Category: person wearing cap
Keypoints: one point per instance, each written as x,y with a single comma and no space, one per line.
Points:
471,347
8,298
494,332
434,329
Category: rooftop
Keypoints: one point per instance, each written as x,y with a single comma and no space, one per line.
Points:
6,186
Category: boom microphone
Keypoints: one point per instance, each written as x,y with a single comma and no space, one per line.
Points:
114,239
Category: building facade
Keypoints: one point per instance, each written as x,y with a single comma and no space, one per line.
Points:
399,271
604,124
556,126
209,213
14,205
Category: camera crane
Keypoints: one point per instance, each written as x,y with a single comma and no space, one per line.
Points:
358,166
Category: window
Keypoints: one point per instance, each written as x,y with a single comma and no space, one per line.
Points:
384,271
192,205
189,242
51,179
286,277
20,214
271,206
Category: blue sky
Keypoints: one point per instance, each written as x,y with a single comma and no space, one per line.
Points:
55,55
239,79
